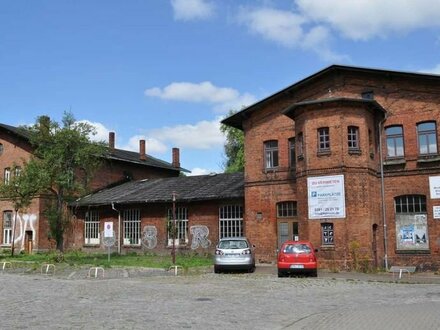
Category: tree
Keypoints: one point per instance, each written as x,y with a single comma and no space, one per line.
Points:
233,148
25,183
67,159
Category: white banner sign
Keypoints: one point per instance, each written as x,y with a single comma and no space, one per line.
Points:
326,197
108,229
436,212
434,186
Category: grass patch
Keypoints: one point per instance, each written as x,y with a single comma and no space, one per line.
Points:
78,258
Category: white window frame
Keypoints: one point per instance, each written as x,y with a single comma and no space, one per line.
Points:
353,138
231,221
91,228
7,175
271,157
181,226
7,228
323,139
132,227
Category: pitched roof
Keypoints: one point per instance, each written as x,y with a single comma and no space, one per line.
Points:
186,188
236,120
115,154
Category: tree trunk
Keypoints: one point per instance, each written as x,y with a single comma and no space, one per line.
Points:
59,225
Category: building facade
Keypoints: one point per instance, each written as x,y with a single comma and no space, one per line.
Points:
31,227
348,159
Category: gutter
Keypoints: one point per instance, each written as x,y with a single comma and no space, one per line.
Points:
382,186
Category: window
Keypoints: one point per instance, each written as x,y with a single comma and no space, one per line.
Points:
300,143
286,209
327,234
292,153
271,154
367,95
181,230
410,204
353,138
323,139
411,223
91,228
7,176
17,171
427,135
132,227
7,228
231,221
394,136
1,149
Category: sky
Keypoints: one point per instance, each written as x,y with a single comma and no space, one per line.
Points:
168,71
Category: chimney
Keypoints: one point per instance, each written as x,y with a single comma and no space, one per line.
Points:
142,155
111,141
176,157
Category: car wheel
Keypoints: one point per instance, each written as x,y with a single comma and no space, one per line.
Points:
216,270
251,269
281,273
314,273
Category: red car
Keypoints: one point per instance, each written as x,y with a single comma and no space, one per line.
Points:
297,257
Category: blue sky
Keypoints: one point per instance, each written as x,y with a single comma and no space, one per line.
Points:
167,71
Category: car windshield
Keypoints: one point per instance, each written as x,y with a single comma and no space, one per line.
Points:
233,244
297,248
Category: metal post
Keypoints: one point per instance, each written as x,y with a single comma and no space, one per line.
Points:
173,228
382,185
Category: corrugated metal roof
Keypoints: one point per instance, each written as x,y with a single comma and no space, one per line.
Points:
187,189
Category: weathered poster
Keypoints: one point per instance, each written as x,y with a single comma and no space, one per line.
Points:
326,197
434,186
412,232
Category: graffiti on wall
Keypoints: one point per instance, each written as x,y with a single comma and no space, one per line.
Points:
25,222
149,237
200,237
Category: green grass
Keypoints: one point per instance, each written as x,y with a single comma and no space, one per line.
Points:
78,258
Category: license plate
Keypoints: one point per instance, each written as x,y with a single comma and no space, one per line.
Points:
232,255
297,266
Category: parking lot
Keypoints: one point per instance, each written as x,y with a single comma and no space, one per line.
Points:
147,299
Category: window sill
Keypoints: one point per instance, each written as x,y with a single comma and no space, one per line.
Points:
324,153
396,161
91,245
327,247
355,152
412,252
428,158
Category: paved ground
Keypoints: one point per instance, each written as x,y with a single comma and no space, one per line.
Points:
155,299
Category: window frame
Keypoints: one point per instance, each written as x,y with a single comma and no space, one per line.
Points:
287,209
7,230
410,204
92,234
426,134
393,138
323,139
271,154
353,138
292,153
327,234
230,221
181,226
7,175
131,221
300,145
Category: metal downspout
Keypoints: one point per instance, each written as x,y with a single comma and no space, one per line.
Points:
382,185
119,227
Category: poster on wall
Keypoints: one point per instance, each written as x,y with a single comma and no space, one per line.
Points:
108,229
434,186
326,197
436,212
412,232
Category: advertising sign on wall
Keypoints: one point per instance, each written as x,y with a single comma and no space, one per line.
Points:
326,197
436,212
412,232
434,186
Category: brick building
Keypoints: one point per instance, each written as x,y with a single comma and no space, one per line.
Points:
318,154
118,166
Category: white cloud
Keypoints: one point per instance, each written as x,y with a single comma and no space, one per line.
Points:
289,29
434,70
202,135
101,131
365,19
187,10
199,171
223,98
152,145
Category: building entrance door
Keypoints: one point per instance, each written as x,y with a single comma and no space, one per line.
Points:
28,241
287,230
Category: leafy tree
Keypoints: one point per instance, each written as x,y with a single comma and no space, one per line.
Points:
25,183
67,159
233,148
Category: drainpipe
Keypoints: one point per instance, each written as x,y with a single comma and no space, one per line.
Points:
119,227
382,186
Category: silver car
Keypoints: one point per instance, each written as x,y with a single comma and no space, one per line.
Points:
234,253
